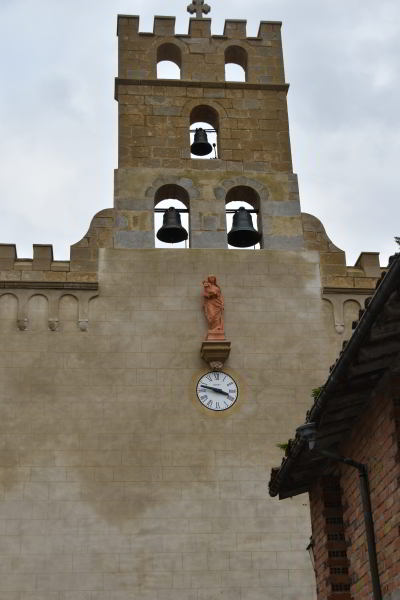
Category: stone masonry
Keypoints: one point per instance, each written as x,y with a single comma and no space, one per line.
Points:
115,482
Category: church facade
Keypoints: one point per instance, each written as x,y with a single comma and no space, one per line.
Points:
117,479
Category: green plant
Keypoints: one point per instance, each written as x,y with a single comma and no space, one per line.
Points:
316,392
283,446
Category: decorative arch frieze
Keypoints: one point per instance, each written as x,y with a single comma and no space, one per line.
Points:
337,298
23,292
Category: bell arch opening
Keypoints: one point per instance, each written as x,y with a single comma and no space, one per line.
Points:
204,127
244,227
169,61
235,64
171,227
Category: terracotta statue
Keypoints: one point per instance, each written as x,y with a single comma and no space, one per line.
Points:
214,308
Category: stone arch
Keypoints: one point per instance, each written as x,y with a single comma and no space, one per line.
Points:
172,190
225,186
169,41
38,311
7,298
177,188
204,111
71,312
171,52
167,180
235,54
244,189
191,104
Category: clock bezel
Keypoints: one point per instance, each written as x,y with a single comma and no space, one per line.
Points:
216,410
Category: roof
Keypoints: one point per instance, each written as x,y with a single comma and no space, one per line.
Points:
364,360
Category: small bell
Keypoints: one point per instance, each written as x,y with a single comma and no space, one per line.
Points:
243,234
172,231
200,146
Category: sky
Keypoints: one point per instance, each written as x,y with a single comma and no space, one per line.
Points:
58,116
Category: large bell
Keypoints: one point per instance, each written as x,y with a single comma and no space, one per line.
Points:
172,231
200,146
243,234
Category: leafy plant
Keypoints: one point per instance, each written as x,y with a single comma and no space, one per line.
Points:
283,447
316,392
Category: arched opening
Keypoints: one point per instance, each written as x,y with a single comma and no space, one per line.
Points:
8,312
204,144
243,196
169,62
68,312
38,312
171,196
235,64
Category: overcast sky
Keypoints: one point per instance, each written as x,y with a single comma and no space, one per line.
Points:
58,123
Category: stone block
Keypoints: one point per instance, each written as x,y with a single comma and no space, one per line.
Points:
134,239
164,26
199,28
235,28
42,257
8,252
369,263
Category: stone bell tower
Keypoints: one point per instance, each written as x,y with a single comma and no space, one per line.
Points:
251,120
133,466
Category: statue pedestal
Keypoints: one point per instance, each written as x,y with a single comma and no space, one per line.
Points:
215,353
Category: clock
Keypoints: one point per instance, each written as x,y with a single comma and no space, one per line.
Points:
217,390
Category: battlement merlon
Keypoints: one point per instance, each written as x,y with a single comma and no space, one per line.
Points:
164,26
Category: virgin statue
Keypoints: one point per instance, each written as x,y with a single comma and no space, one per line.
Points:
213,308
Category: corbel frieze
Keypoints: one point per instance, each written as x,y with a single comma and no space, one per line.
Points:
337,297
23,291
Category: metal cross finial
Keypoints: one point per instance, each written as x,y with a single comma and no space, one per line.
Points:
198,7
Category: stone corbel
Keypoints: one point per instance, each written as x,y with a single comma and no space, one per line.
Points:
215,353
83,312
53,307
22,311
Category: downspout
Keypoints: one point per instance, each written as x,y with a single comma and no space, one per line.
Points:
368,520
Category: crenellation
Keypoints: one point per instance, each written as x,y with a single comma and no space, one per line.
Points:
199,28
8,252
164,26
268,30
42,257
235,29
127,26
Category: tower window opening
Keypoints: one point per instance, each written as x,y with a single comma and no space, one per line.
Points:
247,230
172,226
235,64
169,62
204,132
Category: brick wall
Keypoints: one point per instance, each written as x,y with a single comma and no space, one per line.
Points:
375,442
331,562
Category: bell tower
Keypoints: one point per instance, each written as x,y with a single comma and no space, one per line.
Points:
250,119
146,391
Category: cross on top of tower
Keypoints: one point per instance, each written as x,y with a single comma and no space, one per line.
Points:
198,7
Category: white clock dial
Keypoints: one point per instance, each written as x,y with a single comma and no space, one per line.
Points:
217,390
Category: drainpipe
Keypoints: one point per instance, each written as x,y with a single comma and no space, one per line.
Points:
367,509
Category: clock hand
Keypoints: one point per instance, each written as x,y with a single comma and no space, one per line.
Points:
214,389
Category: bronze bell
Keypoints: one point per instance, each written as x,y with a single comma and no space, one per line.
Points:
200,146
243,234
172,231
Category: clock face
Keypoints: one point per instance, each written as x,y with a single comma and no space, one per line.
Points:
217,390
